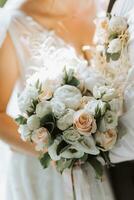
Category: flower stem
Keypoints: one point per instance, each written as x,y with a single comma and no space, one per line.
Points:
73,187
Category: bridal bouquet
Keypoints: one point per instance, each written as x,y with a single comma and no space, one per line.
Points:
69,121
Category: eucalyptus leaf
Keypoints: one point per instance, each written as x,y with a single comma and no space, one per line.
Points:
98,167
62,147
63,164
21,120
2,3
115,56
45,160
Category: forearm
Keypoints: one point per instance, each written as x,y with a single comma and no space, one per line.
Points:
10,135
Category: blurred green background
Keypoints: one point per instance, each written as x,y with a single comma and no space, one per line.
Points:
2,2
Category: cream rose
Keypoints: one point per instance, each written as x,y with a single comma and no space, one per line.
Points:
40,135
106,140
84,123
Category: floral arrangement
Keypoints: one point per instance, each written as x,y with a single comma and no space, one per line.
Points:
111,37
69,122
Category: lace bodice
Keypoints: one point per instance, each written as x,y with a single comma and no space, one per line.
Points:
37,47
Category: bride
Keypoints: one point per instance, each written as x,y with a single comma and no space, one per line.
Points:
39,30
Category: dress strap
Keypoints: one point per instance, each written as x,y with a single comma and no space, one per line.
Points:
7,12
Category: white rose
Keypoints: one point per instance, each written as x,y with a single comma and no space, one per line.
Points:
33,122
105,93
25,99
69,95
117,24
43,108
66,120
114,46
58,108
52,150
109,121
71,135
24,132
106,140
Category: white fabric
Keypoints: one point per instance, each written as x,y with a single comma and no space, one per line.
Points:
26,179
6,14
124,149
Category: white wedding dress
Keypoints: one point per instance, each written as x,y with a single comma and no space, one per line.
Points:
124,149
26,179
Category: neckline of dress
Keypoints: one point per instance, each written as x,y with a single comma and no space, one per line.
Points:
49,31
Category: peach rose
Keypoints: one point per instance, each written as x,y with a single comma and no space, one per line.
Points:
45,95
106,140
84,123
40,135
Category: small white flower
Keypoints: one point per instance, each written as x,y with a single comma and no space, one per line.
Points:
58,108
114,46
109,121
105,93
25,99
106,140
24,132
93,105
69,95
117,24
33,122
66,120
43,108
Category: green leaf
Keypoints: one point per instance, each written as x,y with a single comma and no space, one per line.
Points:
63,146
113,36
21,120
45,160
63,164
74,82
98,167
48,121
69,78
38,86
2,3
108,56
115,56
